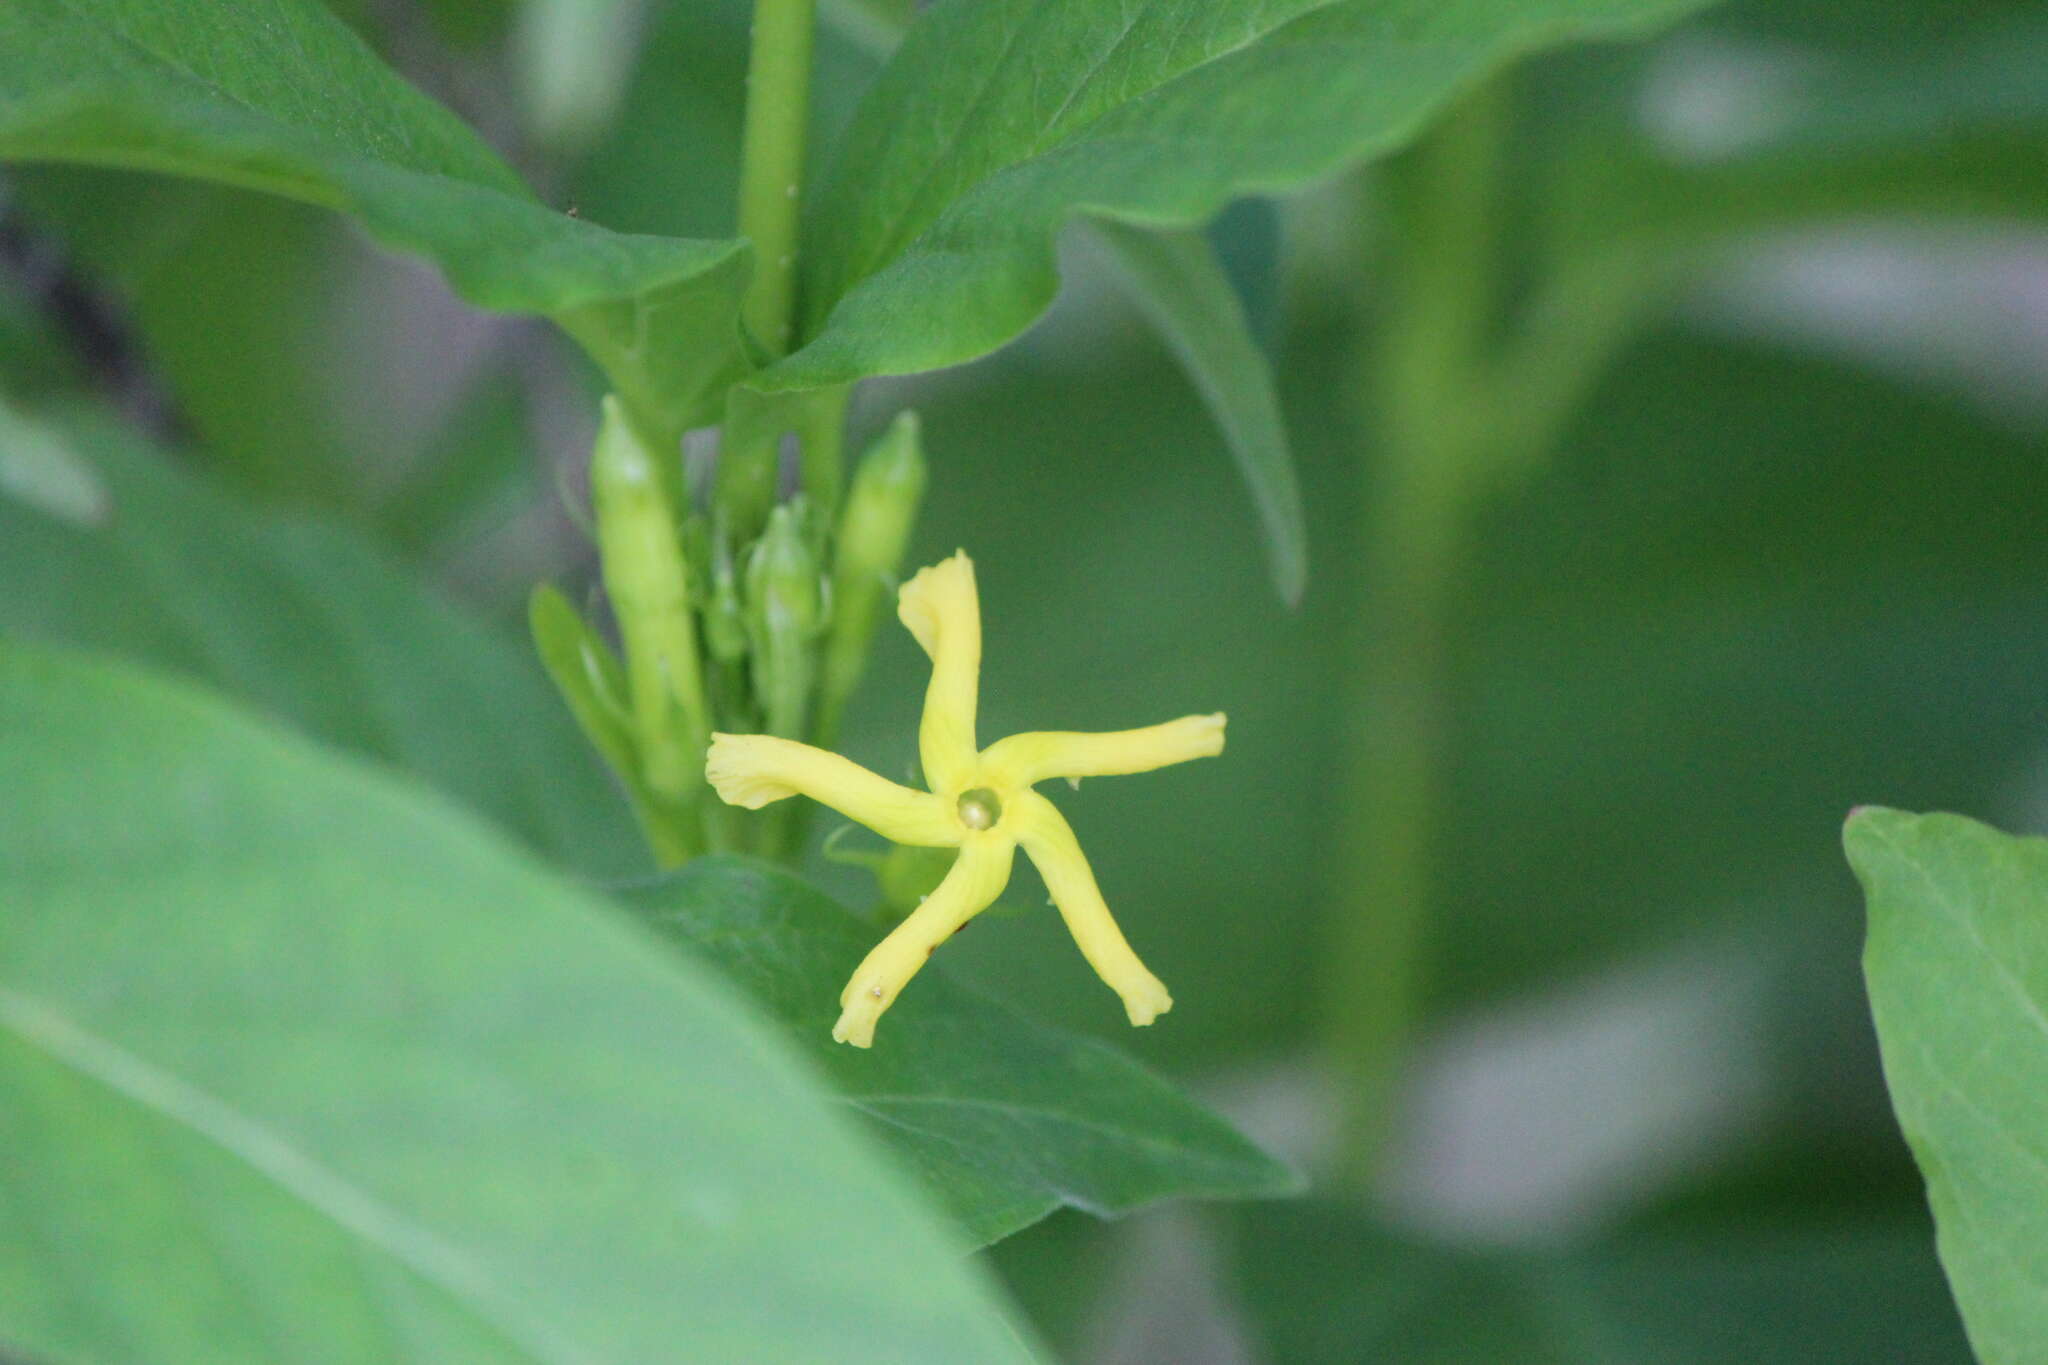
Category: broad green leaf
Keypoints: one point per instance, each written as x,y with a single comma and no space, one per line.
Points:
931,238
302,1063
1957,965
1180,286
306,622
1005,1120
1324,1284
282,97
223,294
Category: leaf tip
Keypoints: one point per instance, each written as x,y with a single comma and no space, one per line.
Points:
1869,834
1867,820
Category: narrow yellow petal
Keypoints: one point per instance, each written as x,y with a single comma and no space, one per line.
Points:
941,608
754,770
1035,756
979,875
1045,835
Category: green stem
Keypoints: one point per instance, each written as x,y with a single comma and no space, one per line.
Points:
1406,592
821,443
749,465
772,164
1456,412
1418,392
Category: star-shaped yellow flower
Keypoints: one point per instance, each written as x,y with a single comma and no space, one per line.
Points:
981,802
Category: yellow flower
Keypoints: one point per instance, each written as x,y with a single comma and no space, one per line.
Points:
981,802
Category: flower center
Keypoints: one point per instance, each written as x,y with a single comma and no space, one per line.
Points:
979,808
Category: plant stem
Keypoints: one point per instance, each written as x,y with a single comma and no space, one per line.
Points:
1419,396
772,164
1405,595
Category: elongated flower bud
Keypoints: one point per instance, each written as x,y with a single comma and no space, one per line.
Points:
648,582
784,611
725,617
874,533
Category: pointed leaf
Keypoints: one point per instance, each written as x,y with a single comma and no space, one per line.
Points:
1004,1119
1180,286
283,97
1957,965
304,1064
931,237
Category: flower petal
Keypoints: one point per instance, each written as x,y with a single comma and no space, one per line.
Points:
942,609
979,875
1021,760
754,770
1045,835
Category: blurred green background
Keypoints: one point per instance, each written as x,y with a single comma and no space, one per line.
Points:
1788,556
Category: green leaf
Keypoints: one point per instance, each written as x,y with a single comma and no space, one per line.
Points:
308,623
1180,286
1326,1284
304,1064
1957,965
284,98
930,241
1004,1119
225,292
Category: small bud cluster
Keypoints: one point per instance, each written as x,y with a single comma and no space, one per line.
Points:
737,611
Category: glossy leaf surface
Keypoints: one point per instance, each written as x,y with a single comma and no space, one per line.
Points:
997,120
1005,1119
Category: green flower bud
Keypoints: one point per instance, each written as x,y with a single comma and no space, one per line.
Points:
785,609
593,683
874,533
725,623
648,581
